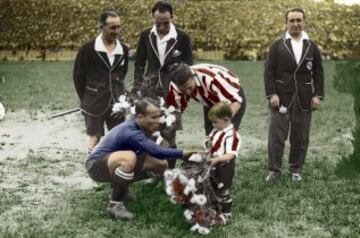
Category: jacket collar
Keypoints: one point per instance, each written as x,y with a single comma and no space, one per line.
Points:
99,46
171,35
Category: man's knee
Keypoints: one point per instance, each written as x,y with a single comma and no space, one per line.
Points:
126,160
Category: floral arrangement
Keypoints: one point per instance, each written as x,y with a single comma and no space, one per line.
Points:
125,107
192,185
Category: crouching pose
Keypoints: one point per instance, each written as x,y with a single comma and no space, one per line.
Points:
126,152
225,144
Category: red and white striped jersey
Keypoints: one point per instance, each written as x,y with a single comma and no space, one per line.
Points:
226,141
214,84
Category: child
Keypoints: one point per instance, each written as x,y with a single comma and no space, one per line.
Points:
225,144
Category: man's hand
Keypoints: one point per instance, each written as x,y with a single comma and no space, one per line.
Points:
188,153
275,101
214,161
315,102
165,143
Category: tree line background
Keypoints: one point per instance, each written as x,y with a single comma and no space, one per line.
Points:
241,29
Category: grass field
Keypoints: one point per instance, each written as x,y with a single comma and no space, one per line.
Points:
33,204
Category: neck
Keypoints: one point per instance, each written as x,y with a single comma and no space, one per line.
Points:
107,42
296,37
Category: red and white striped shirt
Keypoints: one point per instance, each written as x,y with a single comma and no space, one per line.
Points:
214,84
226,141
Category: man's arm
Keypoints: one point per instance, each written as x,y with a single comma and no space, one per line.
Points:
140,62
270,71
153,149
318,74
187,51
79,73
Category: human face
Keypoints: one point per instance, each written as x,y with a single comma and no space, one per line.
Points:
189,87
162,22
151,121
111,30
220,124
295,23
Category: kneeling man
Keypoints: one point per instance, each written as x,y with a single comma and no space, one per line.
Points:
125,152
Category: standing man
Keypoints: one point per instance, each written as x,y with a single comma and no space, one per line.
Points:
126,152
294,85
99,73
159,47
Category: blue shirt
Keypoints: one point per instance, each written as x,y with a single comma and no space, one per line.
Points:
128,136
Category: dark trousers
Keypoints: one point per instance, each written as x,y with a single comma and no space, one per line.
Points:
298,122
236,120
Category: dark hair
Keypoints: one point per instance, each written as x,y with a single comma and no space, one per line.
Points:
220,110
142,104
295,9
180,73
104,15
162,6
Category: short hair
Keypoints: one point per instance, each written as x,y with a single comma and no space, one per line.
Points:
180,73
220,110
142,104
104,15
295,9
162,6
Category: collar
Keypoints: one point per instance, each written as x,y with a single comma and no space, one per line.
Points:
172,33
229,128
196,77
99,46
304,36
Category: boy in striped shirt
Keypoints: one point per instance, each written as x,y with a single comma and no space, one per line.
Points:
225,145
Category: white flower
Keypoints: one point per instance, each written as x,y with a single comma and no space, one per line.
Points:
116,107
183,179
2,111
220,185
122,98
195,227
169,191
282,109
190,187
170,110
172,200
196,158
162,119
168,174
162,102
132,110
198,199
170,119
203,230
188,214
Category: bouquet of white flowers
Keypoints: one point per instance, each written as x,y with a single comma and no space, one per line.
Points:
193,186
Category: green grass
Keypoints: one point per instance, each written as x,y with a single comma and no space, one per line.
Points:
322,205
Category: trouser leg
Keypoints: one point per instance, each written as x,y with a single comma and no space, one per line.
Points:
299,138
277,135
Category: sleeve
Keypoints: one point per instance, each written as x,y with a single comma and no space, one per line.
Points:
79,73
318,73
176,99
224,90
187,55
233,144
125,66
153,149
140,62
269,72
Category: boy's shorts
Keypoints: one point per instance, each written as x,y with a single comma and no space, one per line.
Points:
95,125
224,173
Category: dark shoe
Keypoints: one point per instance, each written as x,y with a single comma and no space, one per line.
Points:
272,176
154,180
118,210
